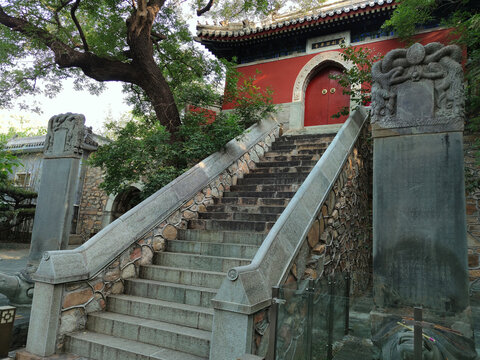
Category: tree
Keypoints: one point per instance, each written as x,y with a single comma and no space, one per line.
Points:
143,43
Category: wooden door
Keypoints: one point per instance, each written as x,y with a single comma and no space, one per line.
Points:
323,98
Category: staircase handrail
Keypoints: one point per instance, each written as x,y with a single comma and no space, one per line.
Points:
84,262
247,289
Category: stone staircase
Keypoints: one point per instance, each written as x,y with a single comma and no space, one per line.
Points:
165,313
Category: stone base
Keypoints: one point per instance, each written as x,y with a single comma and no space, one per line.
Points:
25,355
250,357
453,338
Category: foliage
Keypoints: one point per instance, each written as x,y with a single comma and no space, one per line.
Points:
144,152
408,15
356,81
15,206
251,103
228,10
7,161
15,203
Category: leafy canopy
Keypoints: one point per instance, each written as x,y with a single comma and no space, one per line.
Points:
142,151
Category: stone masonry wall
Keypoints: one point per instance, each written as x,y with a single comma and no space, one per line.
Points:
92,205
84,297
473,214
340,240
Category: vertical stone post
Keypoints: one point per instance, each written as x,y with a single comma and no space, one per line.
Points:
65,145
419,227
44,319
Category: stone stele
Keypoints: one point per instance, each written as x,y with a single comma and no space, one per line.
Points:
419,231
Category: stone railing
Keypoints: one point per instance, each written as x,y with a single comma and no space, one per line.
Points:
328,220
72,283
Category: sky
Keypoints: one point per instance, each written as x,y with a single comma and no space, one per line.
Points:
96,108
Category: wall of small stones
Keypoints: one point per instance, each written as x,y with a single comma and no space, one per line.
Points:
84,297
92,205
473,214
339,241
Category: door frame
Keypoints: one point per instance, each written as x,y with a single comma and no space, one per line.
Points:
307,73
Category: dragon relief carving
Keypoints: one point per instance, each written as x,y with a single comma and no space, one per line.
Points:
421,85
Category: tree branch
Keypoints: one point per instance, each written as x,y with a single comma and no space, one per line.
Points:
207,7
77,24
94,66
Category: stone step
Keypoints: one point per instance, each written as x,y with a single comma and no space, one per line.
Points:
289,146
198,262
250,201
263,194
281,169
270,179
241,216
212,249
183,294
231,225
160,310
290,163
170,336
244,209
218,236
291,173
295,152
304,142
105,347
210,279
265,187
312,137
288,157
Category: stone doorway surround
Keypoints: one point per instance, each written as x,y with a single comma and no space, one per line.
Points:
108,213
309,70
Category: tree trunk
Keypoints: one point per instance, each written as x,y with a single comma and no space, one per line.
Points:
139,29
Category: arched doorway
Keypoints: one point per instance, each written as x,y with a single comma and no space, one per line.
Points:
323,98
125,201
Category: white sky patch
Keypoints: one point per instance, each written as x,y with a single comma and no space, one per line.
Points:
96,108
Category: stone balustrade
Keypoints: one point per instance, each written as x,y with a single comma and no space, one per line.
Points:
335,193
72,283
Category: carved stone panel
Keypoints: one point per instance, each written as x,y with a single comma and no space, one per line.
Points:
419,89
66,134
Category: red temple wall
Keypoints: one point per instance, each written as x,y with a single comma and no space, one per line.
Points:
280,75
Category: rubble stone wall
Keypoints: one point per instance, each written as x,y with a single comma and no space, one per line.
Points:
473,213
92,205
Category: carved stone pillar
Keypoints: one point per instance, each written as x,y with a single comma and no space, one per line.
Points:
66,145
419,227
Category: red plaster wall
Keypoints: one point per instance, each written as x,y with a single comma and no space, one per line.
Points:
280,75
